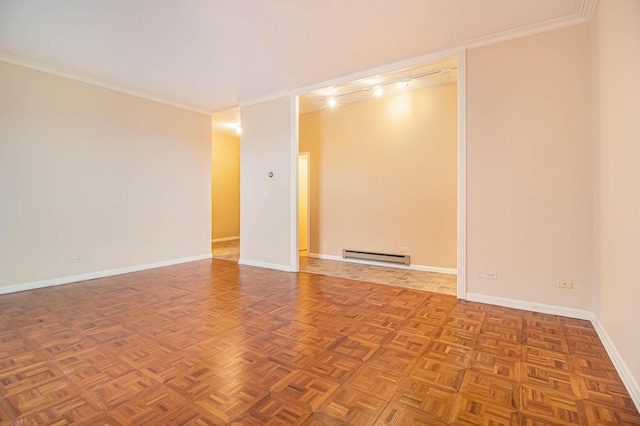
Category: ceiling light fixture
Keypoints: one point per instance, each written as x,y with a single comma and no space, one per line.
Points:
378,89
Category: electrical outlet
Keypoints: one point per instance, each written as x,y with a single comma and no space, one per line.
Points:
72,259
565,284
488,275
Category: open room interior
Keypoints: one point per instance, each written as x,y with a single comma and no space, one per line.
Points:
178,195
403,168
382,177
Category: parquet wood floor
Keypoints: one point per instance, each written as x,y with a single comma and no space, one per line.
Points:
417,280
212,342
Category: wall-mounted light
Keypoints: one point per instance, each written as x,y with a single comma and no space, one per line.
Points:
378,91
238,130
332,102
405,83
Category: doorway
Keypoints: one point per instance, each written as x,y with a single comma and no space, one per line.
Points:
225,184
303,204
429,71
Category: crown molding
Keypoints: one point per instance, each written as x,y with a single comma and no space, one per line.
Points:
383,69
39,66
587,10
264,98
586,13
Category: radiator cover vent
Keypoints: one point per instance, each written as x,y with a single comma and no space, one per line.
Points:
379,257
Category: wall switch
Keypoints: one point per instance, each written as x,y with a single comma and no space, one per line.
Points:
72,259
488,275
565,284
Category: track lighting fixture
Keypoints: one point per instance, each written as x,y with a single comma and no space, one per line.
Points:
378,89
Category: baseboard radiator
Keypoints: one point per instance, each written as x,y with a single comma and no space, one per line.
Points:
379,257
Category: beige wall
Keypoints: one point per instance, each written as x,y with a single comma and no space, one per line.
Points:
384,176
85,171
225,186
616,42
265,204
529,168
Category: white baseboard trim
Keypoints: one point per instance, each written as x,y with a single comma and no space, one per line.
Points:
530,306
100,274
388,265
219,240
621,367
276,266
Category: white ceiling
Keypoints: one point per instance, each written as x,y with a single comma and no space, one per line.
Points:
213,54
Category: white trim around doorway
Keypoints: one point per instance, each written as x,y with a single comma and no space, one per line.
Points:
293,248
460,54
461,264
